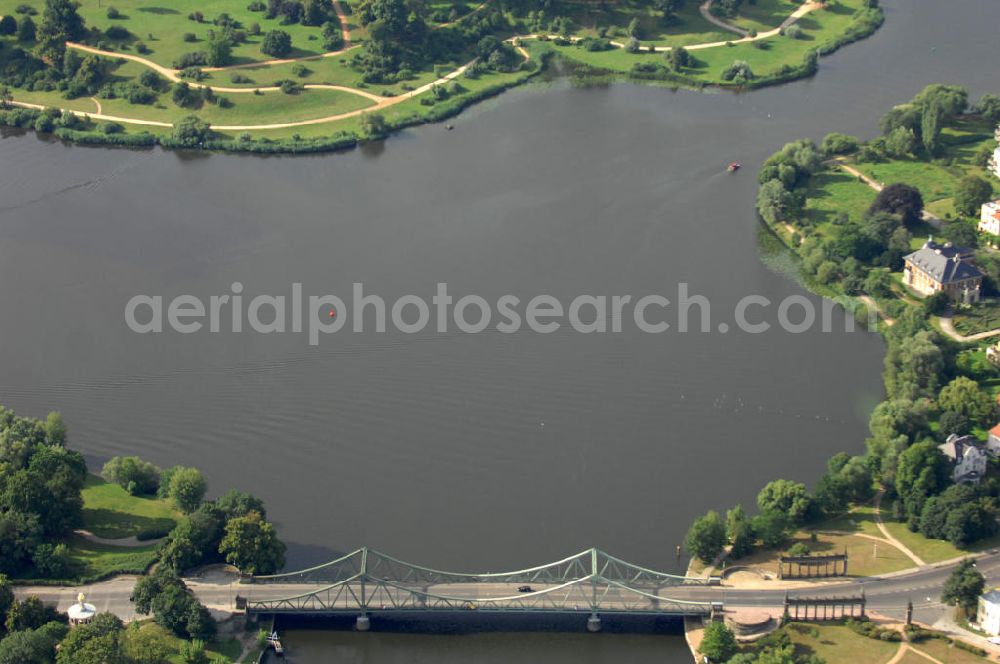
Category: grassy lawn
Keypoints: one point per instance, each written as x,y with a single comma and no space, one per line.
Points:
765,57
945,652
934,181
162,26
980,317
98,560
411,109
860,551
329,71
859,519
935,550
764,15
835,643
831,192
274,106
688,26
110,512
913,658
269,107
162,29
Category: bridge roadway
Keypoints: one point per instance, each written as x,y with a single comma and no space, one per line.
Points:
887,594
578,595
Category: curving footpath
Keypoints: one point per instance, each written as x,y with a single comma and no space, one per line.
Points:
706,12
793,17
174,76
132,542
948,328
383,102
380,102
885,531
839,162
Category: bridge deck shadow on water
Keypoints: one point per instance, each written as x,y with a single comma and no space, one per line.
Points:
458,624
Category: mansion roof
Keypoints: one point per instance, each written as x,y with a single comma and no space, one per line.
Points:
943,262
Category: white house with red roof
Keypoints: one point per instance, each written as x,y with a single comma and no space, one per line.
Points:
993,442
989,217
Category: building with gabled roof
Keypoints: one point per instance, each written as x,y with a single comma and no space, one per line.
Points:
936,268
968,456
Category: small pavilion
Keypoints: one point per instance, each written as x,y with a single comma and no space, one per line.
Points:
81,613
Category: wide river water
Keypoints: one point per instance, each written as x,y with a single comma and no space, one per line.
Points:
467,452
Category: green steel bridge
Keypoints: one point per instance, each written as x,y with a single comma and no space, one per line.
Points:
367,581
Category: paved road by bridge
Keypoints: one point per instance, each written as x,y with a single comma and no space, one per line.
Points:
219,590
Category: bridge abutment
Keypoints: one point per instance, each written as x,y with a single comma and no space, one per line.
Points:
363,623
594,623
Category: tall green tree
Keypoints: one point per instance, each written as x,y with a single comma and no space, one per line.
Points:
970,193
718,642
930,128
252,545
8,25
55,428
99,642
989,108
220,50
963,587
774,201
901,199
963,395
187,488
786,497
706,537
60,23
33,646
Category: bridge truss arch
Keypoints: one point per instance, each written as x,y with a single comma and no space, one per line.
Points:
367,580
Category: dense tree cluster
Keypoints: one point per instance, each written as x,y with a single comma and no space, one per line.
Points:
862,247
398,40
60,23
922,117
726,8
173,606
40,500
923,384
232,528
783,506
878,240
136,476
40,484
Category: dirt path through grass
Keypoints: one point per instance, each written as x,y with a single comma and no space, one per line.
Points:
706,12
885,531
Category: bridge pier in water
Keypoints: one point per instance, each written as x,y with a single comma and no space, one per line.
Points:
594,623
363,623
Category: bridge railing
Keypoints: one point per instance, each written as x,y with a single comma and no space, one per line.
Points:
579,595
378,565
338,569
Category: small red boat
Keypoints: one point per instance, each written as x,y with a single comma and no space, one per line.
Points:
733,167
